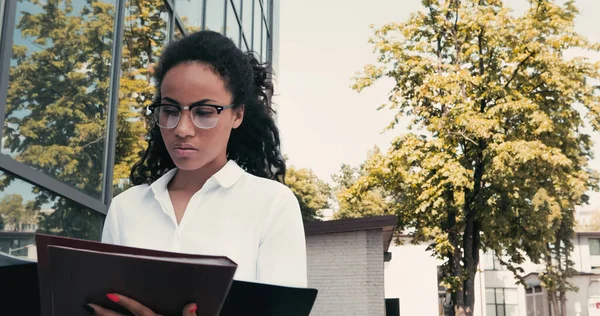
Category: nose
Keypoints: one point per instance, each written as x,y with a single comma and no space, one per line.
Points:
185,127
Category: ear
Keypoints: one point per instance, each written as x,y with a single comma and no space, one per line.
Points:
238,116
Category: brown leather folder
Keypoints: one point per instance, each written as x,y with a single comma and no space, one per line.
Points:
74,272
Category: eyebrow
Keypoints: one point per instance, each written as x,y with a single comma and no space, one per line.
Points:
196,102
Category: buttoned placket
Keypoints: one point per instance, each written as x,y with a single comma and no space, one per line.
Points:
193,205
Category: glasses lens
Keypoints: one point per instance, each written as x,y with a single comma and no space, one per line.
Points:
167,116
205,116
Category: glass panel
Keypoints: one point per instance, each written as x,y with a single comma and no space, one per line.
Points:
530,305
215,13
512,310
500,310
247,22
594,247
26,209
539,305
490,296
190,12
499,296
257,27
511,296
58,89
490,310
233,27
178,34
145,36
538,289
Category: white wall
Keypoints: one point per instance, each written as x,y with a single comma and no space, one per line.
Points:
411,276
347,268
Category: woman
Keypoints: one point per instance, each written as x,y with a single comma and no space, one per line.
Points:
205,184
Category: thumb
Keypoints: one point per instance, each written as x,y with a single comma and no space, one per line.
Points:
189,310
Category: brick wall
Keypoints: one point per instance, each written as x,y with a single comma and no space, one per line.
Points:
347,268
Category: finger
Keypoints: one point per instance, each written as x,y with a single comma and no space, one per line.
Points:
101,311
189,309
133,306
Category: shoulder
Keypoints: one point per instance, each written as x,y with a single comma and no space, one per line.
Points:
133,195
278,193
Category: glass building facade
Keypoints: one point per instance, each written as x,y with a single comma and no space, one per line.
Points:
75,81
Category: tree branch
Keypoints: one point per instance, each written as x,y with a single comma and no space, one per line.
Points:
514,74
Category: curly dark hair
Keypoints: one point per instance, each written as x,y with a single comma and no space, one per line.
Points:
255,144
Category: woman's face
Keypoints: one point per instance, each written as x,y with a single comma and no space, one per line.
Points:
190,146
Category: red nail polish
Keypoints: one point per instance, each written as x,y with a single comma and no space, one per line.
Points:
194,308
113,298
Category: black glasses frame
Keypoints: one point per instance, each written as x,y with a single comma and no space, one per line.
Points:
190,107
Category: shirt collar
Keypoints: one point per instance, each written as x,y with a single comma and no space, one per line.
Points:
225,177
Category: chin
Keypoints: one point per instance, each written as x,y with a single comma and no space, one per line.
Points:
189,165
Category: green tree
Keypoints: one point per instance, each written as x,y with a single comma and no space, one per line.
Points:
374,202
15,213
312,193
499,160
58,98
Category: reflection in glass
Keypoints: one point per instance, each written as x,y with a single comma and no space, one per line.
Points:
26,209
178,34
190,12
145,35
215,14
233,27
58,89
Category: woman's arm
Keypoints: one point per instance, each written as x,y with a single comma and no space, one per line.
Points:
282,251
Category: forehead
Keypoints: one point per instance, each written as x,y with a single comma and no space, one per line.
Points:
190,82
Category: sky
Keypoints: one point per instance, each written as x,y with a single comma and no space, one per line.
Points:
322,44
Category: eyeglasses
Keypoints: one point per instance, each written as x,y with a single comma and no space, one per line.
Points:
204,116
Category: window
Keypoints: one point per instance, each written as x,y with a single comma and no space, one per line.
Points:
233,27
26,209
58,90
247,7
594,246
215,14
191,13
501,301
535,301
256,35
144,37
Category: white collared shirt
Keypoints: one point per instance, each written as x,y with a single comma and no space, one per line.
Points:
254,221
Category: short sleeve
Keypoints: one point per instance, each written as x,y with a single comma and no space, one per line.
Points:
282,251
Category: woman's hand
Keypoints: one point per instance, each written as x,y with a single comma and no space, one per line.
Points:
134,307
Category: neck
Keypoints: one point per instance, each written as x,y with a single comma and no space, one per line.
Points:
194,180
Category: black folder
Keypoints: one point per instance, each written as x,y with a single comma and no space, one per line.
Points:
21,287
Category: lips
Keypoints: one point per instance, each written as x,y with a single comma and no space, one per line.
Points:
184,150
184,147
